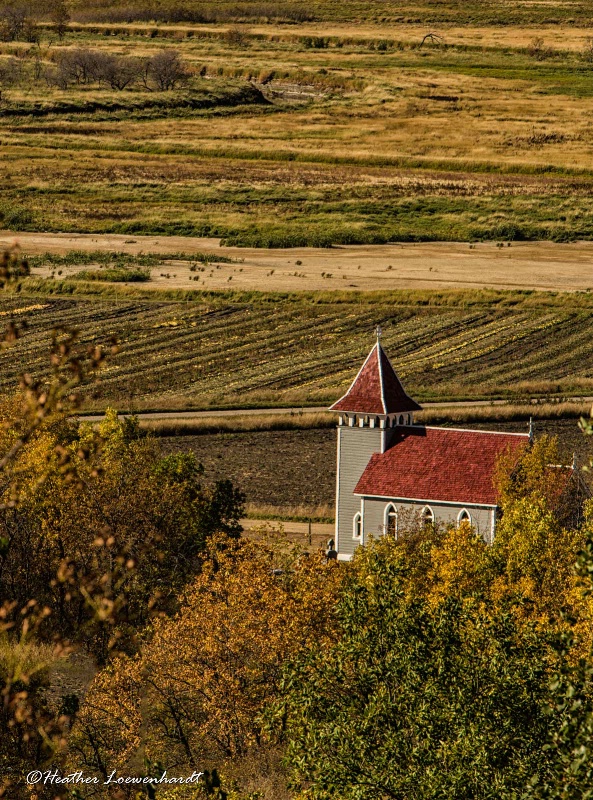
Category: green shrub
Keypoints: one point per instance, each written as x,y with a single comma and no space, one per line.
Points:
17,217
114,275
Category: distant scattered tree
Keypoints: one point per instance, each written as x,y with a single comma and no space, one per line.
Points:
433,38
235,37
80,66
11,71
14,18
537,49
587,52
165,70
118,72
31,31
60,17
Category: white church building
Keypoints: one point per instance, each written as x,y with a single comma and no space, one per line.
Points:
390,467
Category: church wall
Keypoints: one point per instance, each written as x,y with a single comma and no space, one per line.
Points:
374,516
355,448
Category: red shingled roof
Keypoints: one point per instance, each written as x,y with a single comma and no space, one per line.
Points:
376,389
438,464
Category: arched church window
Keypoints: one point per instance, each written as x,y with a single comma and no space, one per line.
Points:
391,520
464,516
427,516
357,526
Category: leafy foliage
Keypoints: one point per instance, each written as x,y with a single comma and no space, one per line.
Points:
196,693
415,701
127,507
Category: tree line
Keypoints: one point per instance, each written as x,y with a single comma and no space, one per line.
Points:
164,71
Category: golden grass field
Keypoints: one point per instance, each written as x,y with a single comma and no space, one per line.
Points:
483,134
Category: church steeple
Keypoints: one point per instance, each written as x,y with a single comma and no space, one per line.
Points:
377,391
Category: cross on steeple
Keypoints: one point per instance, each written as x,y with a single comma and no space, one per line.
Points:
379,333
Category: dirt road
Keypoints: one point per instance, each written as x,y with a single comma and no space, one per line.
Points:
530,265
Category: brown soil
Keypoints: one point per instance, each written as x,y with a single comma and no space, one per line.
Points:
280,468
530,265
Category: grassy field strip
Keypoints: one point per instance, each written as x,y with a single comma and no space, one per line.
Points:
302,168
234,421
363,158
572,38
294,530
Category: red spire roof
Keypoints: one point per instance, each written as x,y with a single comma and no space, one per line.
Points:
439,464
376,389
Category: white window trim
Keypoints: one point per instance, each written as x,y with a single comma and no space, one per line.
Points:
469,517
391,499
388,507
357,525
424,515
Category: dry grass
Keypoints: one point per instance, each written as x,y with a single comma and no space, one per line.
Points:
295,421
235,424
505,413
350,149
297,513
25,659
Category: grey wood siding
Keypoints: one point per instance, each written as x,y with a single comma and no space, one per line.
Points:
355,448
374,515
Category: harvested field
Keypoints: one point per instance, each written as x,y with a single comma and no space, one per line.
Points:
275,468
524,265
240,350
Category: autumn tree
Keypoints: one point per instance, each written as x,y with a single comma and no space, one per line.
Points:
535,551
415,700
165,71
196,693
60,17
126,506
